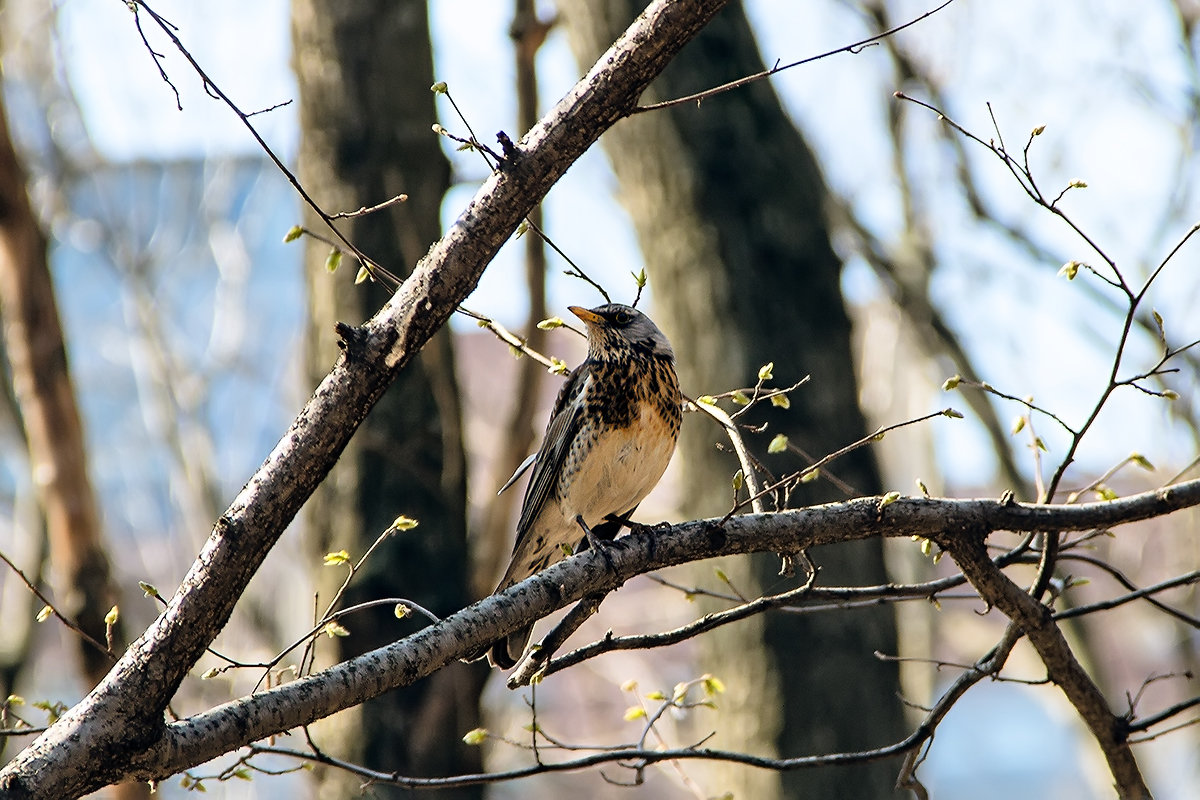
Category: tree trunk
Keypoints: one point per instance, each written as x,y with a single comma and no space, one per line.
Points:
727,201
33,338
493,544
364,71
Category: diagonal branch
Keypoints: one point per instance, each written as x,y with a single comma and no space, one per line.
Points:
1035,620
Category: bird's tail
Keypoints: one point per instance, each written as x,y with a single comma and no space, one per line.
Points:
504,653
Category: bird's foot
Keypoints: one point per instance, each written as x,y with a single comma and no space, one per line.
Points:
597,542
639,527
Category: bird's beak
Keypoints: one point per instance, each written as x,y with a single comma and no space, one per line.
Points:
587,316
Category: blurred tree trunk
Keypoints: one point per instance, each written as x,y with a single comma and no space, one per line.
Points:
33,340
728,200
364,71
494,542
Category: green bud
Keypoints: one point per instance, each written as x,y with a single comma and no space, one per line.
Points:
333,260
479,735
336,559
333,628
1070,270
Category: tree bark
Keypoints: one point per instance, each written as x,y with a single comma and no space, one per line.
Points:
364,71
727,200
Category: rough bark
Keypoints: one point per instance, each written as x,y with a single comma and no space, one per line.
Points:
98,740
364,70
728,201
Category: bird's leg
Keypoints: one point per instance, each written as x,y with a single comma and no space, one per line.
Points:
595,542
621,521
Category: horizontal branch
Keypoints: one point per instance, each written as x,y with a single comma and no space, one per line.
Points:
955,523
630,757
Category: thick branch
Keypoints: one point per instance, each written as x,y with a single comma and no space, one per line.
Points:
963,525
1034,618
95,741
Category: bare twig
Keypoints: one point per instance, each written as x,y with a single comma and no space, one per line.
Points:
854,48
56,613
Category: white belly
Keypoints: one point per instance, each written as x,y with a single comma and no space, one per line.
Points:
617,472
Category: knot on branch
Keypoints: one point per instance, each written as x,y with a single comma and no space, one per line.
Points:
351,339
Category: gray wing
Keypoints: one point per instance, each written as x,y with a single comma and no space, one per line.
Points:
564,424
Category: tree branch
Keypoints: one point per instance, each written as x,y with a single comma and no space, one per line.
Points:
959,525
1035,620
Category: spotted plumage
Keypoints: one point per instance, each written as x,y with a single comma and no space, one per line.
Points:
609,439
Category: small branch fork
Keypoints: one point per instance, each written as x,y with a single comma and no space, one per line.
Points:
856,47
215,91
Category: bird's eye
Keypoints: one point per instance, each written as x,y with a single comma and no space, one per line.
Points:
623,318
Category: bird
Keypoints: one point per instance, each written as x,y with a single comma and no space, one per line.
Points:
610,437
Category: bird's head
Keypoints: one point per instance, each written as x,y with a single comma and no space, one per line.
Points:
616,331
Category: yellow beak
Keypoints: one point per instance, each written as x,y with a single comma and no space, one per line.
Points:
585,315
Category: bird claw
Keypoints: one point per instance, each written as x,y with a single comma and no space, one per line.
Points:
640,527
594,542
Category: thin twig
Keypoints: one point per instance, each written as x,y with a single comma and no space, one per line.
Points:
758,76
53,610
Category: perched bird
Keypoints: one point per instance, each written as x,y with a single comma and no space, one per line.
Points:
608,442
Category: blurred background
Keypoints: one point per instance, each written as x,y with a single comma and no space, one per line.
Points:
813,221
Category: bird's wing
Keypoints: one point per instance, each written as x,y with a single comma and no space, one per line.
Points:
516,476
564,423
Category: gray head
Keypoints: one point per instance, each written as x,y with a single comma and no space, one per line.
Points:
617,330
